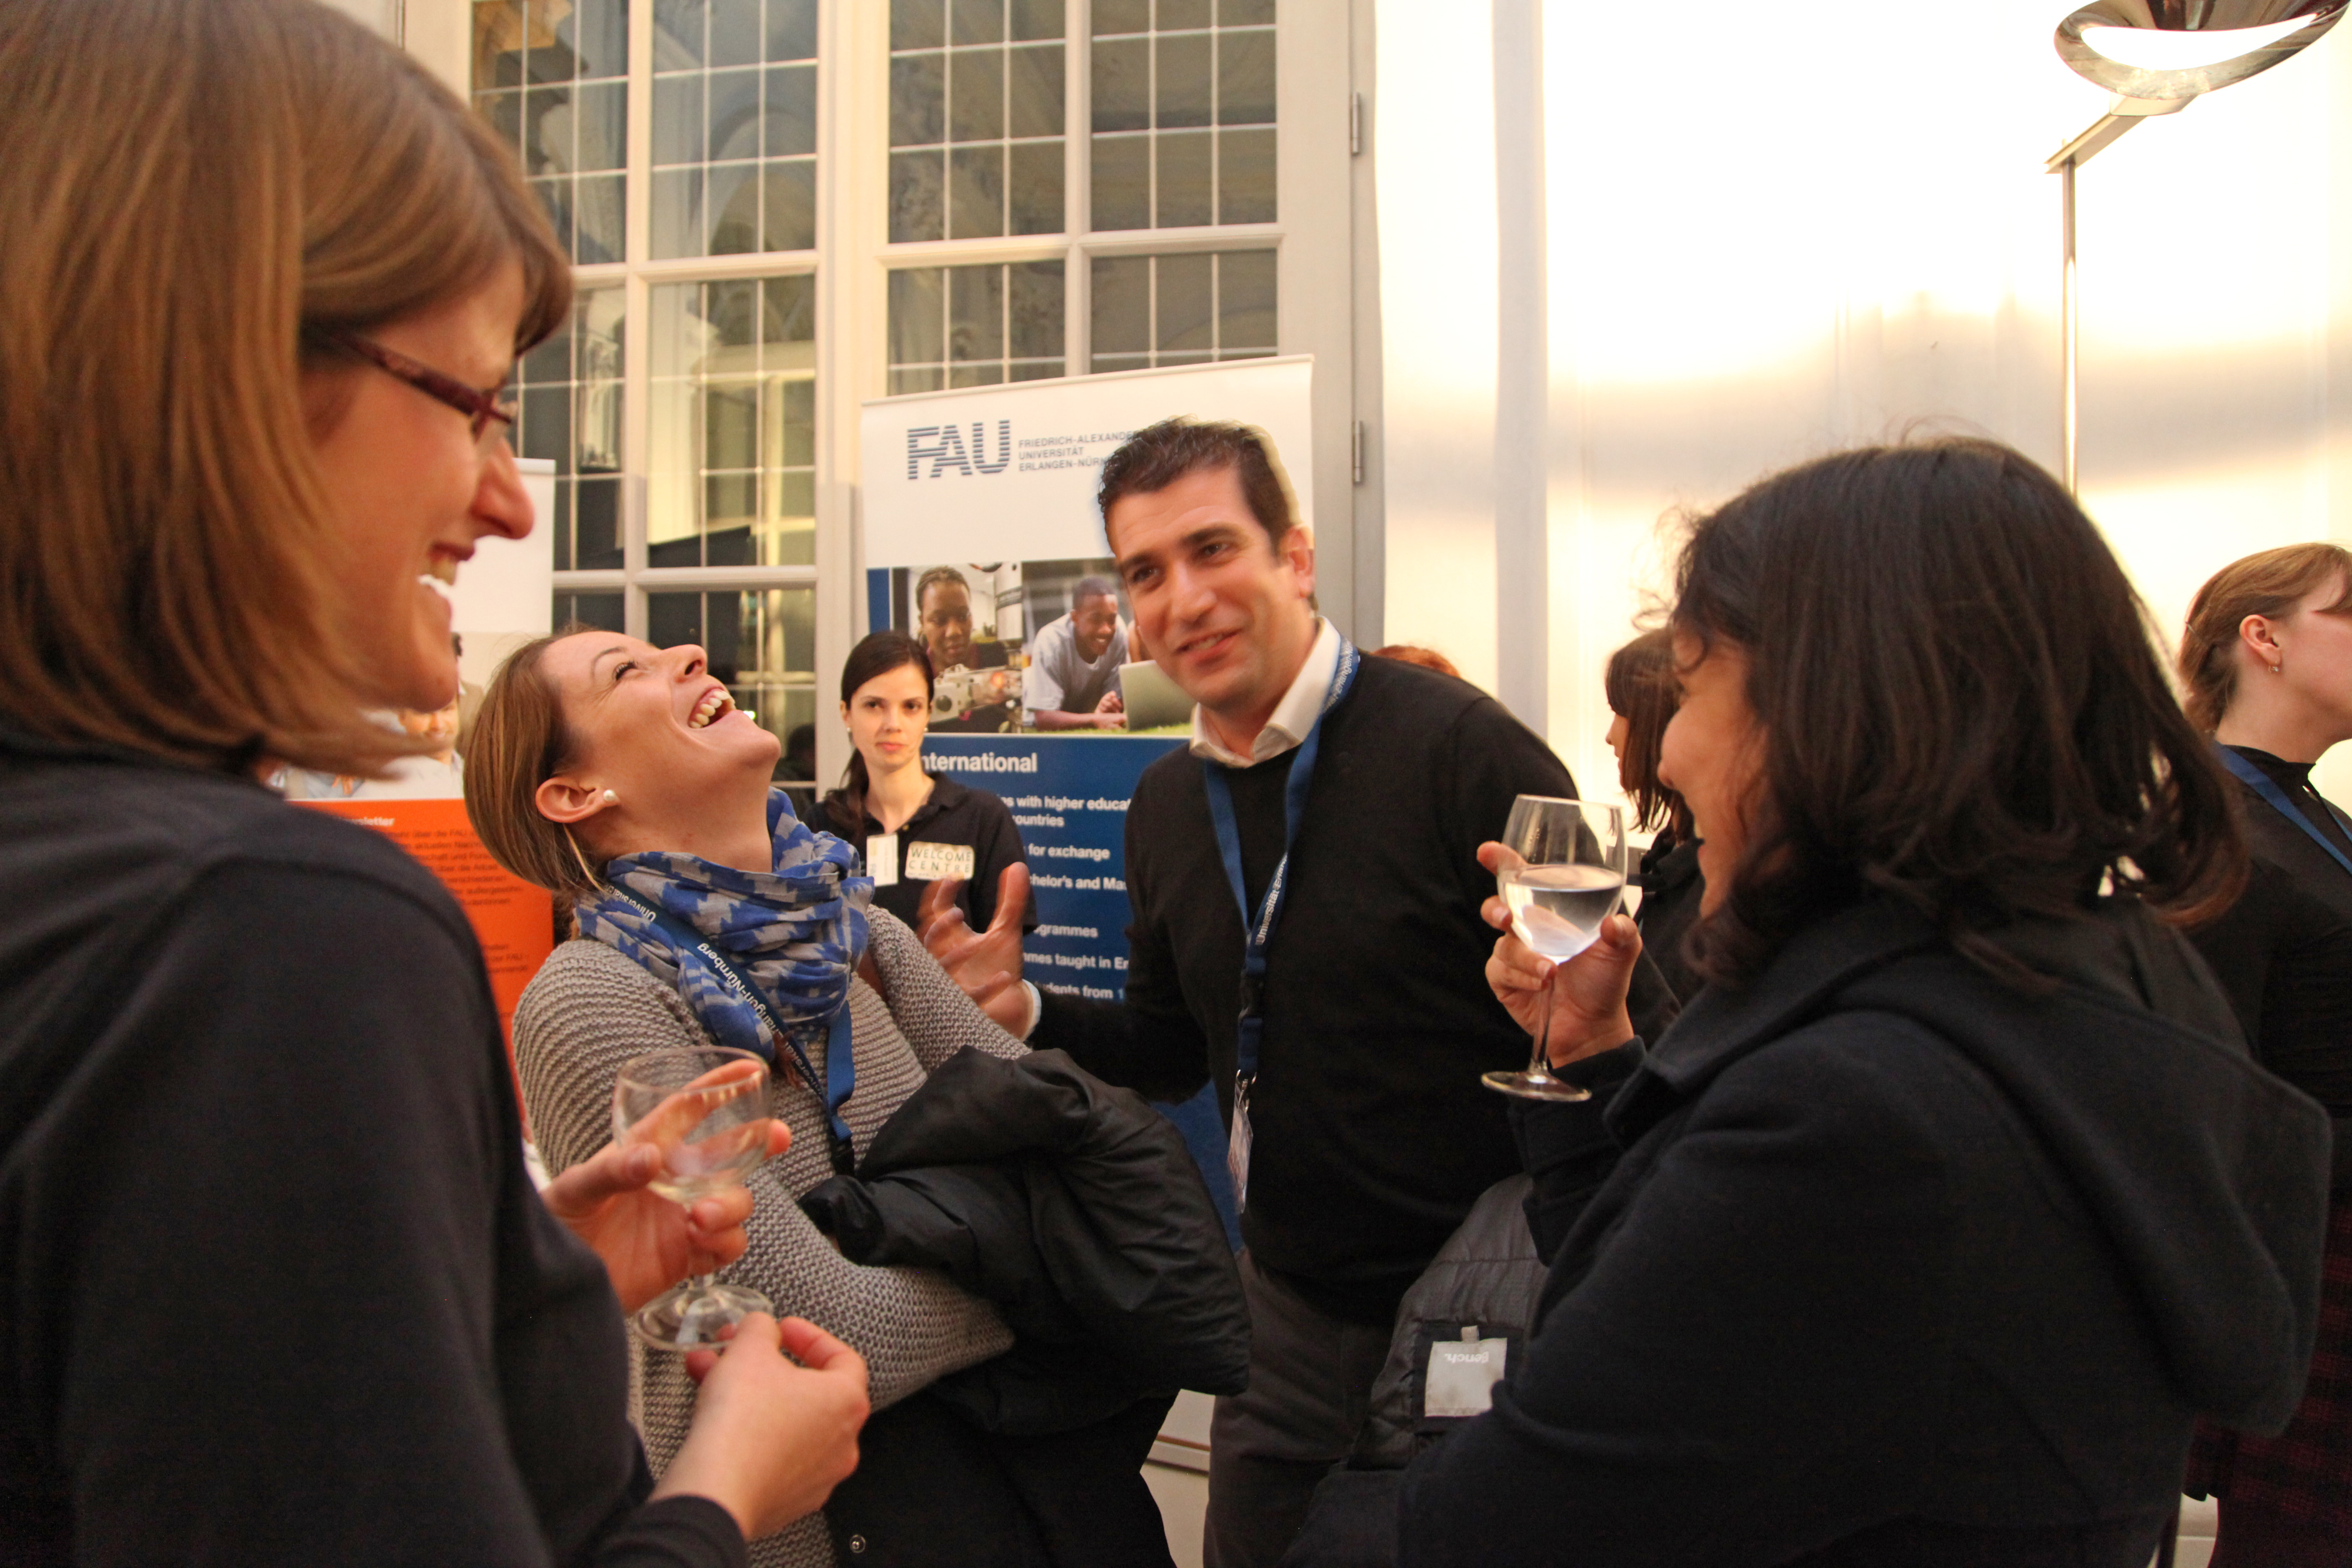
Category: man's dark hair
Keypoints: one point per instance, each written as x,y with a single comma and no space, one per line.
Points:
1962,706
935,575
1093,588
1159,454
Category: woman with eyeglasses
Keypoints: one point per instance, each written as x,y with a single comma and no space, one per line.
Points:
279,1289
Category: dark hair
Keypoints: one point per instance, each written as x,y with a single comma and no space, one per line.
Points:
877,654
923,585
1159,454
2271,584
1640,684
1093,587
1961,700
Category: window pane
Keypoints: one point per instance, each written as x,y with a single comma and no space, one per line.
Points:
918,24
1240,13
1182,14
1123,85
788,198
734,100
1246,78
975,192
1122,181
976,21
1184,179
975,313
791,111
1037,18
600,610
1245,176
1122,304
976,94
1034,292
677,120
544,80
1185,300
678,34
733,196
736,36
1036,194
973,350
1121,17
568,393
792,29
917,101
731,466
1035,91
1181,75
917,311
917,197
1245,302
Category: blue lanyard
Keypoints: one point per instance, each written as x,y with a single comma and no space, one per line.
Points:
2262,784
1256,929
840,1057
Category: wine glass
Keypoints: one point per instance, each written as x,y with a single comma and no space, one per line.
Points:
1562,872
706,1108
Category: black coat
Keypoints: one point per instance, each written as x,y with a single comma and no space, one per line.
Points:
1076,1209
1879,1261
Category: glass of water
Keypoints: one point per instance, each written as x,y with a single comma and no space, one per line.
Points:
706,1108
1561,874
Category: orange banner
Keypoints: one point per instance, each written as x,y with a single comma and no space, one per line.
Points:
514,921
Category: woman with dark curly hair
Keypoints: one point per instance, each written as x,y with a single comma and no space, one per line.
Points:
1928,1230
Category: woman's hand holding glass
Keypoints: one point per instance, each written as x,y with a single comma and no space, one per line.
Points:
1587,991
776,1424
649,1243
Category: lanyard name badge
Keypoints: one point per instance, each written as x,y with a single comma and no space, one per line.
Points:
1257,929
2262,784
840,1059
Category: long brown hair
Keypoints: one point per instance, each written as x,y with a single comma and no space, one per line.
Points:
1963,704
877,654
192,184
2270,583
1640,685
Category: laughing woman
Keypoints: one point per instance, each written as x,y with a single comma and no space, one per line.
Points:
600,762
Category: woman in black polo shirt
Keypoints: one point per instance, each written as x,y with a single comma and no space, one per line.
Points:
913,827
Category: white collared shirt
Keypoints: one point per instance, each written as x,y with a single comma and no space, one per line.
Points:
1294,716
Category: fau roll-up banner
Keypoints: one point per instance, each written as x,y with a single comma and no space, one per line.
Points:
979,508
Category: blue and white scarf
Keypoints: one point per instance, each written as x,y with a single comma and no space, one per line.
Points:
796,933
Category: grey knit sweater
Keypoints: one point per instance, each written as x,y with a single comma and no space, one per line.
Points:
590,1009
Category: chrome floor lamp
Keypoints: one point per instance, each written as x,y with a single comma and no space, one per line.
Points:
2156,57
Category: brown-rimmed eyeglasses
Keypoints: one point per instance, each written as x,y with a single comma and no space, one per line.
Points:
492,414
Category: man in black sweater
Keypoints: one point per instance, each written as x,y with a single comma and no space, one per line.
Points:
1371,1133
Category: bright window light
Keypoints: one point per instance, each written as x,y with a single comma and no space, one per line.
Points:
2157,49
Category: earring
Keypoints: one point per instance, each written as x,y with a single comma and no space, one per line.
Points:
612,799
2279,669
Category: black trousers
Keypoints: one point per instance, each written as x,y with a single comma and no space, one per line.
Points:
1311,1387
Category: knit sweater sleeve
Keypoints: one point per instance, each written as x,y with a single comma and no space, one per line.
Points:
930,1009
589,1010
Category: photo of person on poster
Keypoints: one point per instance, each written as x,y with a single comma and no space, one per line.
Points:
977,691
1071,682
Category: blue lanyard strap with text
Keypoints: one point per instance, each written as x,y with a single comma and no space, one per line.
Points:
840,1059
2262,784
1258,928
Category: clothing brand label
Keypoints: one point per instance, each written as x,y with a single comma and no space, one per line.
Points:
929,862
1461,1375
882,859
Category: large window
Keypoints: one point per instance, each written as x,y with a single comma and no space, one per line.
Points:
780,209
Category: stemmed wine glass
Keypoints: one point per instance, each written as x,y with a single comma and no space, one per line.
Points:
706,1108
1562,872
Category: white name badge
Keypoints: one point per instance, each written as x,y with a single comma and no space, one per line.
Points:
882,859
929,862
1462,1374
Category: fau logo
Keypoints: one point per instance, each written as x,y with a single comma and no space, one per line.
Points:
942,447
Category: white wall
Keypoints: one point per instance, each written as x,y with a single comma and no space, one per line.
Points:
1774,231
